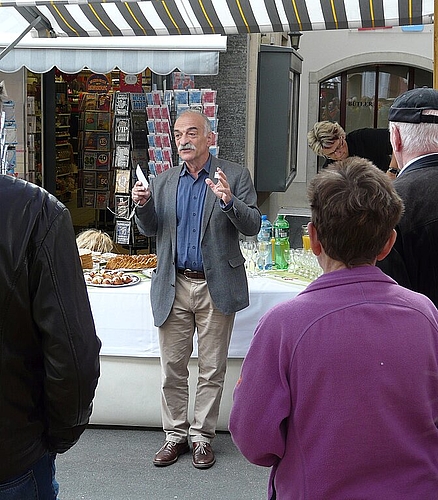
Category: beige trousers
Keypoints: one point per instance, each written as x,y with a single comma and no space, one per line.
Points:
193,310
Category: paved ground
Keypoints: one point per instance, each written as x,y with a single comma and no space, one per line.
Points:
116,464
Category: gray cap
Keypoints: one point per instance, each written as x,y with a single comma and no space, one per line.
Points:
409,107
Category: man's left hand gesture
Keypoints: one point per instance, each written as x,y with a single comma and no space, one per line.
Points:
221,189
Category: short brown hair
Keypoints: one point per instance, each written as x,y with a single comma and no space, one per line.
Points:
354,209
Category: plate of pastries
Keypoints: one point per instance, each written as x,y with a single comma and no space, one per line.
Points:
124,262
110,279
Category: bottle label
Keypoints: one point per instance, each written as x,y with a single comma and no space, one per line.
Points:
281,232
265,234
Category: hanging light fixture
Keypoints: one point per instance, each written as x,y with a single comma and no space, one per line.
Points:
294,37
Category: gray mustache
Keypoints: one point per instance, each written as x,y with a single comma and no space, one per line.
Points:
186,146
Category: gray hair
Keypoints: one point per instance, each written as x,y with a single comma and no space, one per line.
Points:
418,138
207,124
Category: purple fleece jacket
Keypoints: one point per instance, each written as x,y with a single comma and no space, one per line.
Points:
339,392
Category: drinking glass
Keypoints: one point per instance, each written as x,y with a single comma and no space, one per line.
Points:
252,254
305,237
263,253
249,251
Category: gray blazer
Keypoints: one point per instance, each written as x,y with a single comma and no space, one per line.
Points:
221,255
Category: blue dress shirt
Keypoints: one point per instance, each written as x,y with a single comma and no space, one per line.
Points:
189,209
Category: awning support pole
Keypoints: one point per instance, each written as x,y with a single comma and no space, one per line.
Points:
14,43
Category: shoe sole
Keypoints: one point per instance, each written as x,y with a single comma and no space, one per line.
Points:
160,463
203,466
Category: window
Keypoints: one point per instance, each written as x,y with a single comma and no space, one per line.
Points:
361,97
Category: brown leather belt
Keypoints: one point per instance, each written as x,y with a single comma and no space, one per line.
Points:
194,275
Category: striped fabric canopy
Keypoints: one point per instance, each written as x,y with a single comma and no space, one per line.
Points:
84,18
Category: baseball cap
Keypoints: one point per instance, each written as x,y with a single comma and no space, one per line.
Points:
409,107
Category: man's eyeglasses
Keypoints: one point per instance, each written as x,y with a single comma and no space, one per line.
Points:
337,150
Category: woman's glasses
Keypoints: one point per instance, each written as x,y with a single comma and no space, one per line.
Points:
337,151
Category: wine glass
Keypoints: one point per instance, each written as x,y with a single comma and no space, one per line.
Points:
252,257
244,249
247,248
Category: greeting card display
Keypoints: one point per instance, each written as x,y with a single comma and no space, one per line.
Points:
102,200
89,199
194,96
103,160
95,143
121,104
171,103
122,127
122,232
122,181
182,81
138,129
208,96
121,158
103,180
122,205
139,157
95,102
89,180
97,121
209,110
89,160
138,101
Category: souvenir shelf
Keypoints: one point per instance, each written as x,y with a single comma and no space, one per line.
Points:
66,171
33,169
34,140
95,147
129,134
73,99
8,135
162,110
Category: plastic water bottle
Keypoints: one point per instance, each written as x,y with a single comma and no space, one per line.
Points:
282,244
264,243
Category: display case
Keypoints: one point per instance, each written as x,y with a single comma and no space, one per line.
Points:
279,70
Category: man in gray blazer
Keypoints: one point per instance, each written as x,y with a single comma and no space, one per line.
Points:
196,213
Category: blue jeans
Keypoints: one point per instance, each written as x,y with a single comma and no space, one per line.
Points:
37,483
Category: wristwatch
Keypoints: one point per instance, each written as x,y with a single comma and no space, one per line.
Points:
394,171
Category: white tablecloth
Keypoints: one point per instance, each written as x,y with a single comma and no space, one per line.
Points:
124,321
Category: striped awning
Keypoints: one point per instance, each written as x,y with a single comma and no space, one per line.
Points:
85,18
192,54
129,34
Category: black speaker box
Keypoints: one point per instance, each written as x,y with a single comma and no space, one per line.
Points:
297,217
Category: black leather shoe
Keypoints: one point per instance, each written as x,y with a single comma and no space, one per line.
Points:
203,456
170,451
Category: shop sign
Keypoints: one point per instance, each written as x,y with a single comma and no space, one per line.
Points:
360,104
98,83
131,83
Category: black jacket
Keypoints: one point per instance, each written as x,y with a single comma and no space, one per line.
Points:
371,143
49,351
413,260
